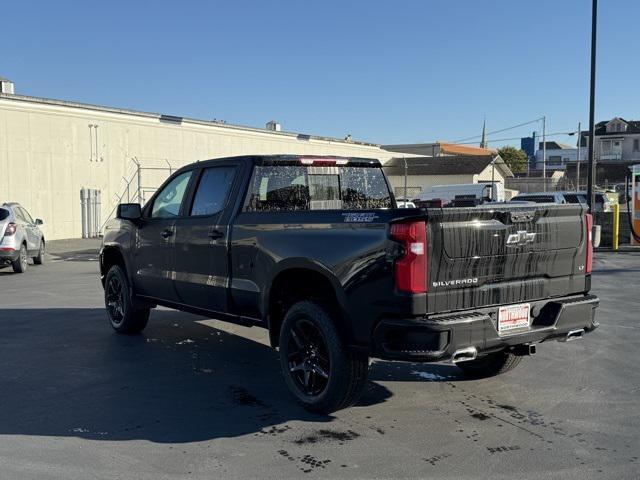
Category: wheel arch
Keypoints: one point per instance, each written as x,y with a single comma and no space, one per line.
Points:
112,255
302,279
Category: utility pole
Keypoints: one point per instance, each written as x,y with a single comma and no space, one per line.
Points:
544,153
406,199
578,159
591,196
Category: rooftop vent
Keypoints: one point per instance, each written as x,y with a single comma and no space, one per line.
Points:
6,86
274,126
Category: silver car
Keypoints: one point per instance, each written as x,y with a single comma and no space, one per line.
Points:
20,238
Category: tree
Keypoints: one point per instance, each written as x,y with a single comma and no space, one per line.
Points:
515,158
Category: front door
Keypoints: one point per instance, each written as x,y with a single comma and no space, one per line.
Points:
201,242
155,239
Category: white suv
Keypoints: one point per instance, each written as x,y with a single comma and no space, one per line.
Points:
20,238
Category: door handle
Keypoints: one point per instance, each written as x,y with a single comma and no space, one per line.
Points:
215,234
166,233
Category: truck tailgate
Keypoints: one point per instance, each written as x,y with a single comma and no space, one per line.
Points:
490,255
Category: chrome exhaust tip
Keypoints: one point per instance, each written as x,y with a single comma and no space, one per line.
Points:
464,354
573,335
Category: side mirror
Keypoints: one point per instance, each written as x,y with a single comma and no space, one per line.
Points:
129,211
39,222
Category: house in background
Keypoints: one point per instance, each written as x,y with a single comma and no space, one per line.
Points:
616,147
616,140
446,170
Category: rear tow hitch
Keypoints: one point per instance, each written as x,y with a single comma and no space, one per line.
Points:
524,350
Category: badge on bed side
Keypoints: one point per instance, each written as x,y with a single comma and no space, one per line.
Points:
366,217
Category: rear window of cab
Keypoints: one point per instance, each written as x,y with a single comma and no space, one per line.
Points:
299,187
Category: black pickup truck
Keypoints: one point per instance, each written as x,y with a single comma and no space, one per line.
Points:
315,250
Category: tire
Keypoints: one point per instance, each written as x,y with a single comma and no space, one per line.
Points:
21,263
39,259
490,365
317,369
122,314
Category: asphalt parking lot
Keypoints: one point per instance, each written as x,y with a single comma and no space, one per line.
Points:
200,399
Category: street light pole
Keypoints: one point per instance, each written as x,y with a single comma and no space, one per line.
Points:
406,198
544,153
578,159
591,196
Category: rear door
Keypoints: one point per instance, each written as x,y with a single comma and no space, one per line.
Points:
23,227
202,238
155,239
31,229
492,256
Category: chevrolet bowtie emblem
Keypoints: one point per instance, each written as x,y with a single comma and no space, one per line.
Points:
521,237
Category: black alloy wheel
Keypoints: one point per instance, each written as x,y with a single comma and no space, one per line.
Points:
323,374
115,300
308,358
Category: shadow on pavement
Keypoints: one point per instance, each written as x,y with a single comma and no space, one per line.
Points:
87,255
64,372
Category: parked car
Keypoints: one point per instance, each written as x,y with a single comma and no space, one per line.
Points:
540,197
404,204
314,250
20,238
482,192
603,203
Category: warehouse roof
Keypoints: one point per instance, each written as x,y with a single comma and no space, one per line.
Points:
177,120
445,165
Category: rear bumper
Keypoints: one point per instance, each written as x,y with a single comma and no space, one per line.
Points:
437,337
8,255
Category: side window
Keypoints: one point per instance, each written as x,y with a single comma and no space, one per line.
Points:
17,212
167,203
212,190
26,215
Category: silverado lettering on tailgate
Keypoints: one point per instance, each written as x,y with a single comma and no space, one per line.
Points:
450,283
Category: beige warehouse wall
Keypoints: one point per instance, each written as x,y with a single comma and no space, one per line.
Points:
47,154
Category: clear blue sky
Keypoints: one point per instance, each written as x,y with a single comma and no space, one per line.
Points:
383,71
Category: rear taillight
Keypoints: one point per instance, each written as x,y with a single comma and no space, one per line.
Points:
589,227
411,268
11,229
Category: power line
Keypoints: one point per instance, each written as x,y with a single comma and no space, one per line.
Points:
501,130
517,138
